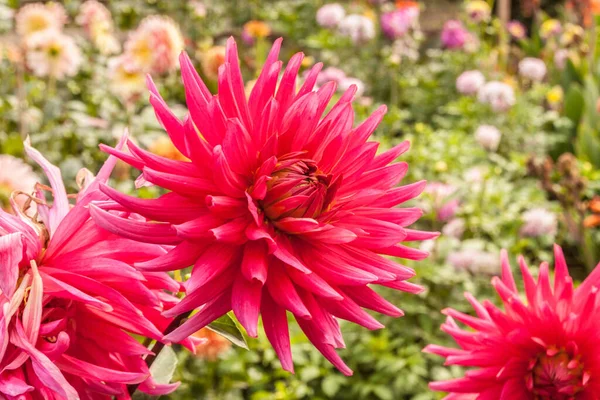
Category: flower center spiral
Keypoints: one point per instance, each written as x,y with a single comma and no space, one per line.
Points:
556,375
297,189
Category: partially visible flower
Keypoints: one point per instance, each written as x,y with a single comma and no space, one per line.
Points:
550,28
478,10
554,97
15,175
539,222
397,23
593,220
162,146
542,345
52,53
96,21
500,96
280,208
516,30
454,35
560,58
488,137
155,45
532,68
211,344
126,79
255,30
211,60
330,15
330,74
469,82
443,202
358,28
572,35
475,261
347,82
199,8
38,17
454,228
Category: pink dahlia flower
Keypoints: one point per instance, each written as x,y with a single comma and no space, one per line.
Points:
395,24
69,293
455,35
279,208
543,348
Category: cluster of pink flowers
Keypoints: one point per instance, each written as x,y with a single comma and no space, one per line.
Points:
532,69
455,35
498,95
397,23
343,82
443,200
469,82
488,137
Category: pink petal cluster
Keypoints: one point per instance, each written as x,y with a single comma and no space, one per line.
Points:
443,200
516,30
395,24
455,35
469,82
69,294
498,95
533,69
330,15
280,208
541,346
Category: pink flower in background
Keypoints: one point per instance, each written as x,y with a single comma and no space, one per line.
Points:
455,35
395,24
561,56
454,228
533,69
539,222
52,53
68,293
15,175
155,44
329,74
442,201
330,15
516,30
498,95
39,17
544,345
488,137
279,208
358,28
476,261
97,23
469,82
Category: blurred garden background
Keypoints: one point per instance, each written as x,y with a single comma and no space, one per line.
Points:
500,102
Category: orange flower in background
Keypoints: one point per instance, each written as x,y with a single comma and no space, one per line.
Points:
595,7
212,344
163,147
257,29
593,220
211,60
406,4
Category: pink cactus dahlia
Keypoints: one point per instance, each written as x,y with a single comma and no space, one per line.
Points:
279,209
545,348
68,294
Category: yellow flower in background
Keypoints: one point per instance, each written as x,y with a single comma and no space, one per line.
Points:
549,28
127,80
163,147
572,34
257,29
211,60
369,13
511,81
212,344
554,97
15,174
308,61
38,17
478,10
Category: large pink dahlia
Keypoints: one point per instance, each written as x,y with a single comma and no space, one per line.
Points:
279,208
543,347
69,294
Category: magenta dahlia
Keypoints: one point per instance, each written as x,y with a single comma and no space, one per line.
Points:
541,347
279,208
69,294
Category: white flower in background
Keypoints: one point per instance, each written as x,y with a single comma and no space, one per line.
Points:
561,56
469,82
358,28
474,175
347,82
532,68
52,53
498,95
488,137
330,15
155,45
475,261
15,175
454,228
330,74
38,17
97,23
198,8
539,222
127,81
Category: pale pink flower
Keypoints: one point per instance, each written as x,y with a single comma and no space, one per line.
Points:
543,345
279,208
397,23
443,200
488,137
358,28
97,23
52,53
469,82
126,79
39,17
476,261
532,68
561,56
69,294
539,222
454,228
15,175
499,96
330,15
155,45
330,74
516,30
347,82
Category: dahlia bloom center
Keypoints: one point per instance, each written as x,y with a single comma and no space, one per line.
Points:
297,189
555,374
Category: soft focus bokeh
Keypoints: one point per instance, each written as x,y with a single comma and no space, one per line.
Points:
500,102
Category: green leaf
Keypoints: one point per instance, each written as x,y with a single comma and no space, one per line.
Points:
229,329
331,385
383,392
574,104
163,367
